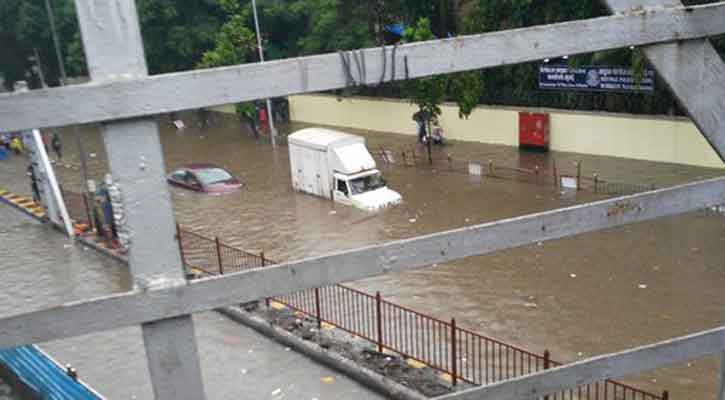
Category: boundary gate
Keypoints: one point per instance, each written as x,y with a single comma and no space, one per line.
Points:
163,301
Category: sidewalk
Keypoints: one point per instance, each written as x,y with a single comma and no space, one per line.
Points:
42,268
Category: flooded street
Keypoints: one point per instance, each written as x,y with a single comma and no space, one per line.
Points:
577,297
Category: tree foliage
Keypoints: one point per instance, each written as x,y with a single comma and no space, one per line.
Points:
181,35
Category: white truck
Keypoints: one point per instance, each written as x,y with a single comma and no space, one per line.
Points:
337,166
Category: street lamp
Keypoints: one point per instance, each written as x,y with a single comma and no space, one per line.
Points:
272,130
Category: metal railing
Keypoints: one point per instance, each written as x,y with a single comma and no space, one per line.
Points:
537,174
211,256
441,345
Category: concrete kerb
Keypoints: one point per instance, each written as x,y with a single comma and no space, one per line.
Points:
370,379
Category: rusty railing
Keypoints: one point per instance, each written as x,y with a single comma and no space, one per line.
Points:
461,354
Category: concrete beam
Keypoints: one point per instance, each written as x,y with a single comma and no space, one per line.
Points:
597,369
146,305
132,96
694,72
114,50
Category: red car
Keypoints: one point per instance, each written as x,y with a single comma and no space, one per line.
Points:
207,178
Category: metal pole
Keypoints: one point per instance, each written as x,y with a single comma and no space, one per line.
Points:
547,365
379,316
63,81
317,308
219,254
272,130
454,355
56,43
40,68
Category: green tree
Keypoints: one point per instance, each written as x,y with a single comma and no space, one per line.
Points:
430,92
234,44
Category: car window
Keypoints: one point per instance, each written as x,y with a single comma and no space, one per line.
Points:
179,175
212,175
342,186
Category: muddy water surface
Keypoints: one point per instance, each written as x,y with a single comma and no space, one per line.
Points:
577,297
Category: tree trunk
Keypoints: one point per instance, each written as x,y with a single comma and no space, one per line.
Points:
428,141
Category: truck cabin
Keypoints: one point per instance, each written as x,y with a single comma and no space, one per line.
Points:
351,185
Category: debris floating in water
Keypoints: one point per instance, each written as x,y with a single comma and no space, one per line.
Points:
412,220
642,286
572,275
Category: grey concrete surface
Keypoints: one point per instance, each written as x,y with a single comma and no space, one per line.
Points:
41,268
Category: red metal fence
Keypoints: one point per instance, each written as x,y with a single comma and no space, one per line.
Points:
441,345
211,256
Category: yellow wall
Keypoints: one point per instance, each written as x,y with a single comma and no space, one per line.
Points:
664,139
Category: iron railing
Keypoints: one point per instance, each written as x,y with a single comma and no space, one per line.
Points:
537,174
461,354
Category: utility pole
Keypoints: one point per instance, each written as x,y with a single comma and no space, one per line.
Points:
63,81
39,68
272,130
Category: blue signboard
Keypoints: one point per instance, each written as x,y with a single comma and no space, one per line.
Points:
596,79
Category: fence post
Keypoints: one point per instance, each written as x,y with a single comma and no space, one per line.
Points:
665,395
547,365
554,172
490,167
379,316
454,355
219,254
596,183
181,246
578,175
261,255
88,211
450,162
536,171
317,308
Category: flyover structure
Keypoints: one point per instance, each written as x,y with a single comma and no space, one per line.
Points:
123,98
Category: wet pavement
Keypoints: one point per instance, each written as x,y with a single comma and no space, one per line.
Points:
577,297
41,268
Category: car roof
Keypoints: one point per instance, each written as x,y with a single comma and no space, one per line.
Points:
199,166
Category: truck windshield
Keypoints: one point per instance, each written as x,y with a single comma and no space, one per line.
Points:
366,183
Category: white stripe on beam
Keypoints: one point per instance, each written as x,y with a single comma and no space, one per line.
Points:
129,97
597,369
150,305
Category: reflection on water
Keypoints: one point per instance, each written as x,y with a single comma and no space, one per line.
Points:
578,297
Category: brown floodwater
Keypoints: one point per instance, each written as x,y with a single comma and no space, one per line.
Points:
577,297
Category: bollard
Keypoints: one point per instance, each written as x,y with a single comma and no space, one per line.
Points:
536,171
490,167
665,395
379,316
555,174
450,162
219,255
596,183
578,175
454,355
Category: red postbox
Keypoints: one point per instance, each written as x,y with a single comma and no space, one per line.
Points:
534,130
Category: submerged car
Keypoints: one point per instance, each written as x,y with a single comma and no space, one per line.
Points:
206,178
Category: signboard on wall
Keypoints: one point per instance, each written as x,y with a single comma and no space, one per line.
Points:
595,79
